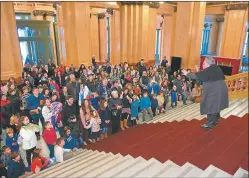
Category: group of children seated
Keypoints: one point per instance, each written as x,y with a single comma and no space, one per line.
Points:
27,152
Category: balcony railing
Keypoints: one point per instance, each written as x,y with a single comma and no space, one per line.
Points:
237,85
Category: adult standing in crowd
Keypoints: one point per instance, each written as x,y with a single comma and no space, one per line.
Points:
141,67
68,110
215,92
115,105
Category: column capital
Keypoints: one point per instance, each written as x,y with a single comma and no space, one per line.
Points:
101,15
43,12
109,11
219,19
150,4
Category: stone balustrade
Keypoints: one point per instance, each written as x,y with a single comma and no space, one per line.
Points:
237,85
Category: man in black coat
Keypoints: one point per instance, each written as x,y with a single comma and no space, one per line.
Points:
68,110
215,92
141,67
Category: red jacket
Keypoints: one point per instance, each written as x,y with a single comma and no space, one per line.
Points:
39,163
49,136
4,102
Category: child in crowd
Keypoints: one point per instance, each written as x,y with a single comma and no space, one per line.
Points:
49,135
94,100
145,105
24,100
174,97
61,154
74,125
161,101
38,161
16,167
105,116
94,124
154,104
70,141
134,109
27,137
11,140
5,157
14,123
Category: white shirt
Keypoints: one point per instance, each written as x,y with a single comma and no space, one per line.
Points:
58,153
28,136
46,113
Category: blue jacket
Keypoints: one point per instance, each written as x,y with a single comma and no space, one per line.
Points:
102,91
16,169
105,115
12,143
32,103
95,102
70,142
134,108
173,96
154,103
145,103
155,87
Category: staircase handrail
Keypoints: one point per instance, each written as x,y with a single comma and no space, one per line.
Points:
237,85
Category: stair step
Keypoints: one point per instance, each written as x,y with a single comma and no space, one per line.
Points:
152,170
117,159
241,173
121,167
131,171
213,171
92,167
79,165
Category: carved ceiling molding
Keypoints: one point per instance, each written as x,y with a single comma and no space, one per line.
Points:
150,4
224,3
236,6
220,19
109,11
42,13
101,15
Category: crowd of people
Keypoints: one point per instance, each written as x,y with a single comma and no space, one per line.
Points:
57,110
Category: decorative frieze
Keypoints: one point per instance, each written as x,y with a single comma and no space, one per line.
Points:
150,4
236,6
42,13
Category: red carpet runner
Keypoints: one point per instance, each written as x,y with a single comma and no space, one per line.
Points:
225,146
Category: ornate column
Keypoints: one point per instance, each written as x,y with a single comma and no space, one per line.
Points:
95,36
188,33
236,16
77,32
11,62
138,28
102,37
169,23
115,37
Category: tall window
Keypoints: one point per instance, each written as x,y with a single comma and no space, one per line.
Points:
246,44
158,45
108,38
35,41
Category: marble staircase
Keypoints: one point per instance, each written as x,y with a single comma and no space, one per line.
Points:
237,107
90,163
